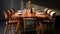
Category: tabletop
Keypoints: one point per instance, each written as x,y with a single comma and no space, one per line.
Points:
30,15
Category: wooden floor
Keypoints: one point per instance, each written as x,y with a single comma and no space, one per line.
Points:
57,29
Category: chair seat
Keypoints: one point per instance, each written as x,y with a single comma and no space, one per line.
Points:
46,21
13,21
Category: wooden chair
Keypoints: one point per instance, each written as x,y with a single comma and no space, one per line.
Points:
49,21
11,21
39,26
42,21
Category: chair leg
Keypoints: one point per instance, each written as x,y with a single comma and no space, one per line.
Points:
38,30
53,28
5,29
12,30
18,27
9,29
41,27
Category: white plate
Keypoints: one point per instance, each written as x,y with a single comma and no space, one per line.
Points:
40,13
18,13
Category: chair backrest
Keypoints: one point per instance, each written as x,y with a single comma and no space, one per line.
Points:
45,10
6,15
12,10
48,12
52,14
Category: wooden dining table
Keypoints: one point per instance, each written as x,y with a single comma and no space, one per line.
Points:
29,15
